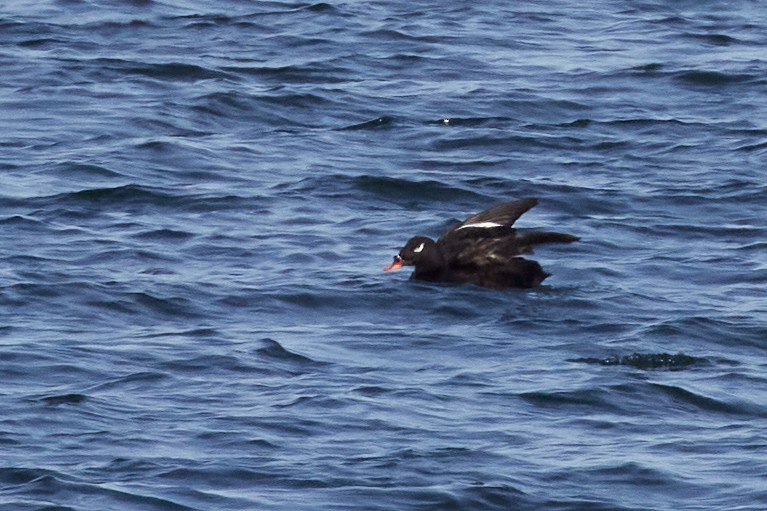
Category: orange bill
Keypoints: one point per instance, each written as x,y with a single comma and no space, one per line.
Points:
395,265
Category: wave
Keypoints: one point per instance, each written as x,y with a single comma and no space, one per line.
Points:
164,71
373,124
678,397
24,485
131,198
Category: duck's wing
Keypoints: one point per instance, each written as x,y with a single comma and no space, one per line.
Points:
495,222
503,215
488,238
479,252
494,251
529,239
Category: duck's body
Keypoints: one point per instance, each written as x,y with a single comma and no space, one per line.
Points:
483,250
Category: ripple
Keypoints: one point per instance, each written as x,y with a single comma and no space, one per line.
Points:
166,71
585,399
373,124
648,361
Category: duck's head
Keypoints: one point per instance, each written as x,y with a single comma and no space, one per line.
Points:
419,251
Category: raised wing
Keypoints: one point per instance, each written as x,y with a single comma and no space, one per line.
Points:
502,215
488,239
491,223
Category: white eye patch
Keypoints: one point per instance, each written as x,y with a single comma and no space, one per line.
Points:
418,248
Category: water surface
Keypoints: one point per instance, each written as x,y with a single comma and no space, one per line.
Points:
197,200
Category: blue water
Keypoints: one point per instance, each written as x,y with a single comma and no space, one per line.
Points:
197,200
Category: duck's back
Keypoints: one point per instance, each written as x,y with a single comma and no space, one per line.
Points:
514,272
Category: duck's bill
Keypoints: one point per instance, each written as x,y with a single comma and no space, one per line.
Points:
395,265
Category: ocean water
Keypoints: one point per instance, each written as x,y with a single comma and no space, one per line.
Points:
197,200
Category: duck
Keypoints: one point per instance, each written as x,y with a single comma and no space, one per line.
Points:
484,250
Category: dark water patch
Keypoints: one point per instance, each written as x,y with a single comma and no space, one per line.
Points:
30,292
44,485
578,123
677,361
378,191
756,147
200,20
714,39
373,124
159,146
135,199
130,381
64,399
86,170
732,331
756,247
471,122
297,7
479,496
106,69
288,99
318,72
7,23
583,399
715,78
584,504
165,306
461,164
322,7
23,361
164,235
212,364
130,24
274,359
648,68
634,473
262,14
145,305
274,350
193,332
126,195
679,397
277,478
652,122
130,467
131,257
163,127
403,190
14,476
314,402
508,142
40,43
372,391
399,36
169,71
22,221
204,203
540,109
262,108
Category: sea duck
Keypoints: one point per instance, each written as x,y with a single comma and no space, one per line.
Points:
483,250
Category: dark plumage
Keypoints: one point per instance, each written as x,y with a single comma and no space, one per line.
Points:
483,250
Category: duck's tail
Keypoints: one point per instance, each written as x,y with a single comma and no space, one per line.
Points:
530,239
